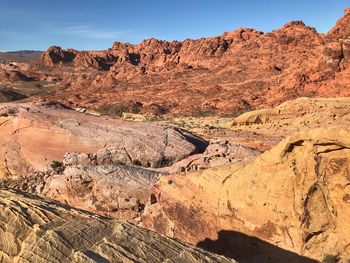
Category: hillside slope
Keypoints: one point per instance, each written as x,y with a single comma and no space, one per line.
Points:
234,72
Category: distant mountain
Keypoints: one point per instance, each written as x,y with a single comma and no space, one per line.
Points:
21,55
227,74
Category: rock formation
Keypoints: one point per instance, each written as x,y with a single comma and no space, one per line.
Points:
111,190
32,136
33,229
217,153
93,163
301,112
9,95
341,29
260,130
289,204
295,197
234,72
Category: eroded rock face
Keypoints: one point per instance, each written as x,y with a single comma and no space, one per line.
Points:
115,191
295,197
33,229
228,74
341,29
300,113
32,136
217,154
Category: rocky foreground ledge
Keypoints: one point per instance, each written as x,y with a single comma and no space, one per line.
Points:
33,229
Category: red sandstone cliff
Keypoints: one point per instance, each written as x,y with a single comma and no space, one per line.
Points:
233,72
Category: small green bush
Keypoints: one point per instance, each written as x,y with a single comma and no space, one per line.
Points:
328,258
56,164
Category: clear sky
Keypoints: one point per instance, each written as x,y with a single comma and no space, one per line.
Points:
89,24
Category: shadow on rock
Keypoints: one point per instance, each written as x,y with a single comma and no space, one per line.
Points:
247,249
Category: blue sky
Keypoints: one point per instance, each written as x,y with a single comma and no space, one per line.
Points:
88,24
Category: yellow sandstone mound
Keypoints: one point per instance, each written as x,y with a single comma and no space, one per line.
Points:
291,203
37,230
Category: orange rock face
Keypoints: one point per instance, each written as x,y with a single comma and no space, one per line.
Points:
233,72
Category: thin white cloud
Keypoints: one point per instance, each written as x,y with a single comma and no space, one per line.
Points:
88,31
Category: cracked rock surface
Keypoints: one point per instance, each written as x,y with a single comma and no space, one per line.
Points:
39,230
112,190
295,196
32,136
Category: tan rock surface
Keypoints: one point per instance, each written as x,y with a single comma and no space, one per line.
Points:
262,129
32,136
40,230
299,113
111,190
217,153
295,197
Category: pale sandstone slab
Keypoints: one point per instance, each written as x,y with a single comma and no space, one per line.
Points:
33,229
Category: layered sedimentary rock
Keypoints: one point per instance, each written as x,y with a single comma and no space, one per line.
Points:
299,113
32,136
41,230
235,137
292,198
218,153
236,71
93,163
115,191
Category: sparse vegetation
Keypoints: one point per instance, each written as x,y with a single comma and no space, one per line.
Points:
56,164
198,112
329,258
117,109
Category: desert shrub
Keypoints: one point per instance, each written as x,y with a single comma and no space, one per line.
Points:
157,109
118,109
112,109
56,164
329,258
198,112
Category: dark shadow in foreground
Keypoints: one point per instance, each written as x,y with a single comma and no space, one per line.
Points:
247,249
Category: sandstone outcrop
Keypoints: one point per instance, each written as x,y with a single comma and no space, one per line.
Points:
217,153
115,191
228,74
55,55
32,136
289,204
262,129
341,29
33,229
292,198
301,112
